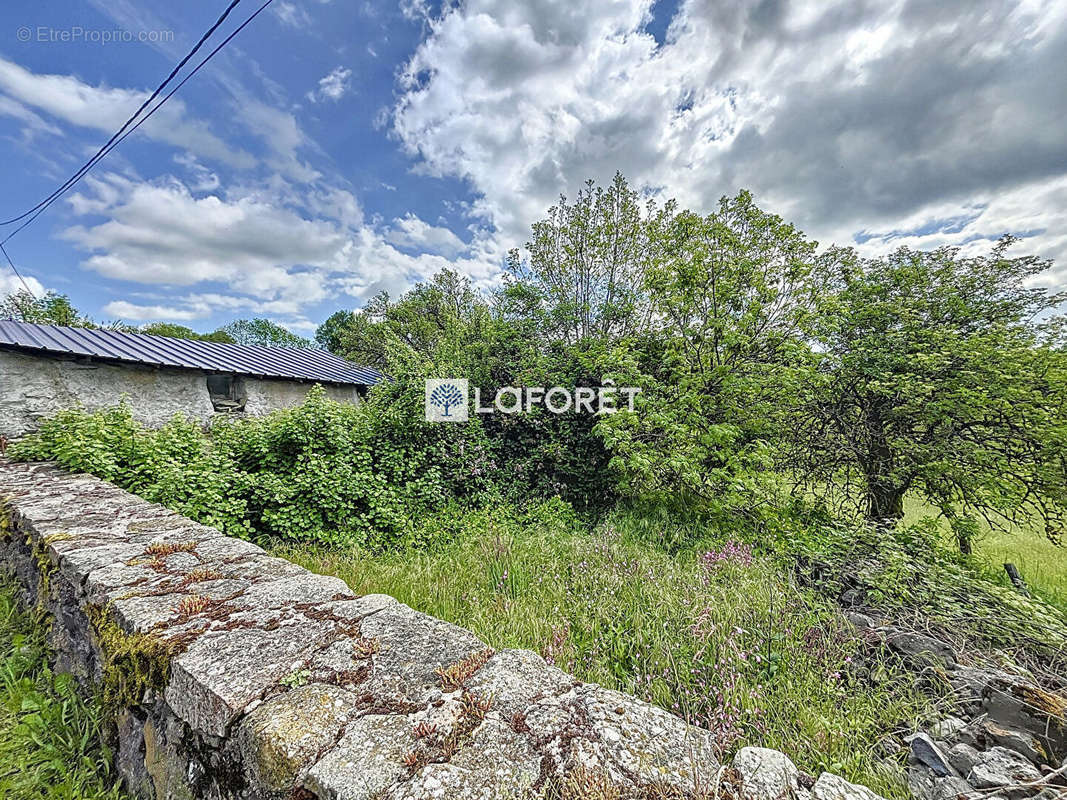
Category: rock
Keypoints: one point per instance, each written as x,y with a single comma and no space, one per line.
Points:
1000,768
950,788
517,678
831,787
412,647
632,743
963,757
927,786
861,621
1013,702
920,649
282,736
888,746
367,760
767,774
1022,743
497,763
947,728
925,751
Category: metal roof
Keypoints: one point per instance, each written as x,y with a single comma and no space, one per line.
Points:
293,363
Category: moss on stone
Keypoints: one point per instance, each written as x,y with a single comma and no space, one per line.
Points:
45,569
5,519
133,663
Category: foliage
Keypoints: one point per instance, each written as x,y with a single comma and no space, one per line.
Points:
182,332
52,309
50,739
911,575
731,294
583,277
262,333
936,377
725,641
328,334
323,471
443,322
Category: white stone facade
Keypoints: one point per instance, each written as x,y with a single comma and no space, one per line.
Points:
33,387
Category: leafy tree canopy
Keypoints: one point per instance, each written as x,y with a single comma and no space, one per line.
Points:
51,309
182,332
942,375
263,333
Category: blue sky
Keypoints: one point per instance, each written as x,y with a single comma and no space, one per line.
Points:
338,148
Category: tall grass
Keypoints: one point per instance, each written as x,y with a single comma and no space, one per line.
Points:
1043,565
50,738
718,636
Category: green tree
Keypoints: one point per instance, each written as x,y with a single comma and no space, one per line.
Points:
583,273
182,332
938,376
329,333
51,309
731,295
443,321
263,333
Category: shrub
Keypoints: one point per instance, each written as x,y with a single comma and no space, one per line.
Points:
322,472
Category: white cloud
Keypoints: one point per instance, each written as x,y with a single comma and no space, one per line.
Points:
412,232
282,134
333,86
292,15
140,313
841,116
104,108
160,233
10,283
252,251
34,123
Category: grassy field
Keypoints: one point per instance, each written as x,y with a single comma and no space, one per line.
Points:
1042,564
49,737
719,636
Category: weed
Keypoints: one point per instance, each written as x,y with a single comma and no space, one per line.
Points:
455,676
296,679
194,604
50,738
366,647
164,549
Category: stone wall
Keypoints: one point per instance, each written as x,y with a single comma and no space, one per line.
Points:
234,674
34,387
263,396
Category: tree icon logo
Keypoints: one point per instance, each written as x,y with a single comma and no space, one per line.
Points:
446,400
445,397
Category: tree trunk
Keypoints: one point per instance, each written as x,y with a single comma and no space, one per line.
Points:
964,543
885,497
885,503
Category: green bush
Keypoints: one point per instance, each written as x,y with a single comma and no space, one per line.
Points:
322,472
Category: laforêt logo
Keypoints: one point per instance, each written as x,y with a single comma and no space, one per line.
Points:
446,400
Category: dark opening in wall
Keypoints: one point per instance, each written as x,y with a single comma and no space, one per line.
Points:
227,393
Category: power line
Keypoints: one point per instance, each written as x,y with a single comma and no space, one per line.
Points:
101,152
17,273
108,148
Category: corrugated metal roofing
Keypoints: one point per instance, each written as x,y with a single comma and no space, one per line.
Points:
165,351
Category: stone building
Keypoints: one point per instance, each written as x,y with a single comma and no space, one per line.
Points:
44,368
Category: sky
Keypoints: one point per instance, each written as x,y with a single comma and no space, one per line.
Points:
337,148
